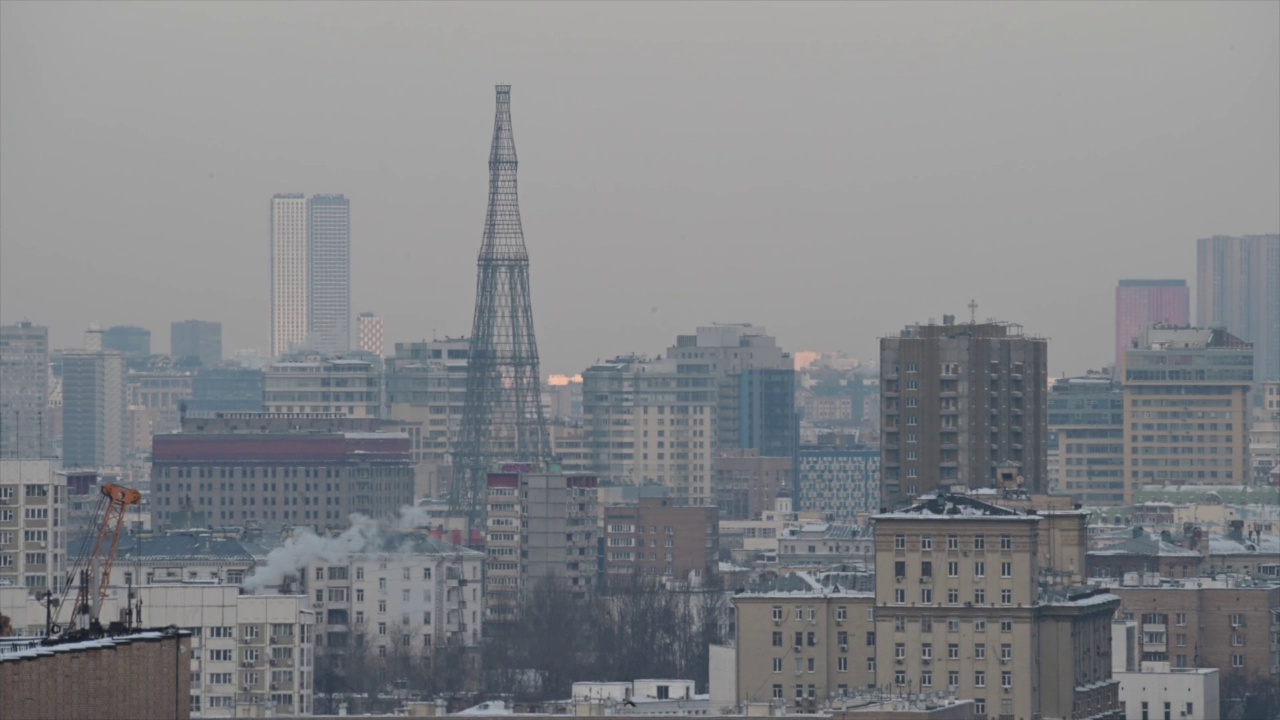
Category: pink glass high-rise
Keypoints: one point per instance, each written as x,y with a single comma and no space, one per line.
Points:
1142,302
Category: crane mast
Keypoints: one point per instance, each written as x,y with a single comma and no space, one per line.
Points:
97,573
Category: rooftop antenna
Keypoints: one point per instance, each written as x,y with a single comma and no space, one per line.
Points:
973,312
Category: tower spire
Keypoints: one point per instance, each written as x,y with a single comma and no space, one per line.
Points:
502,419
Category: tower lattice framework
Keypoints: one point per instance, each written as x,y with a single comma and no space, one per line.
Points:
502,420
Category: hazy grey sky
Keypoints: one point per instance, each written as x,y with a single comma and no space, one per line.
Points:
832,171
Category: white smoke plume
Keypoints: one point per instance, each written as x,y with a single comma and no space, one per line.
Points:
306,548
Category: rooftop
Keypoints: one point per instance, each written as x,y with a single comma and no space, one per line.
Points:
953,506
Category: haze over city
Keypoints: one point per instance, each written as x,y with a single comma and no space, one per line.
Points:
829,171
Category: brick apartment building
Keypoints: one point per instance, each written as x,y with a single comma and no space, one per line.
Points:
657,538
1227,624
746,484
143,676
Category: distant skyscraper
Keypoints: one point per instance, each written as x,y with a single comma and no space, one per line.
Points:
369,332
962,405
310,274
1140,303
94,429
24,390
1238,288
130,340
329,251
196,338
290,270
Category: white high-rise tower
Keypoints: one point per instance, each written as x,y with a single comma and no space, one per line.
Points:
290,273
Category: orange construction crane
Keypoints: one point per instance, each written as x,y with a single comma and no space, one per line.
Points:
97,573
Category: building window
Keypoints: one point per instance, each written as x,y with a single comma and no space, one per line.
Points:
953,542
900,596
1237,661
899,651
953,596
1006,625
777,692
777,638
980,651
1006,569
953,679
953,568
1006,542
979,569
979,542
1006,597
953,651
899,542
777,612
926,542
926,679
842,664
899,623
899,678
979,679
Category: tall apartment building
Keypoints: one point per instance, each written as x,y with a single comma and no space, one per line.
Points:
753,410
957,401
290,274
427,382
129,340
1229,624
569,447
347,386
94,409
199,339
24,390
539,526
653,421
656,538
1086,419
840,483
1238,289
1185,408
801,642
329,273
747,484
409,594
33,525
310,477
961,605
369,333
1140,303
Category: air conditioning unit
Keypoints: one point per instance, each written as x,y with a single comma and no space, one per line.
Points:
272,662
840,622
777,621
247,664
275,686
1004,661
799,648
1008,690
898,579
899,661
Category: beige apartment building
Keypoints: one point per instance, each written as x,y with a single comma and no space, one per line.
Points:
247,651
412,595
800,642
965,603
33,525
647,422
1186,408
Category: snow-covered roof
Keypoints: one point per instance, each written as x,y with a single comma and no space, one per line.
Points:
951,506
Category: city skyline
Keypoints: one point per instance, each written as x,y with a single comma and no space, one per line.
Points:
812,250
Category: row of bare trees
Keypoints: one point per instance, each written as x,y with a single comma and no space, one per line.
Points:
638,629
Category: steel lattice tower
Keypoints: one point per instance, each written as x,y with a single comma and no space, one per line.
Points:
502,419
